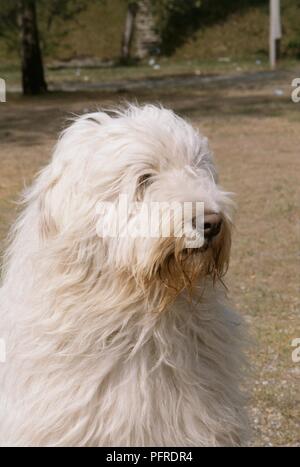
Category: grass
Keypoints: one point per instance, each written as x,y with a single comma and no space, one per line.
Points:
255,136
12,73
167,69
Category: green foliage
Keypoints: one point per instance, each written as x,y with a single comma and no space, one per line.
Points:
293,44
188,28
48,13
8,22
176,19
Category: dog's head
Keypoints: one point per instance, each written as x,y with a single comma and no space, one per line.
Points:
144,180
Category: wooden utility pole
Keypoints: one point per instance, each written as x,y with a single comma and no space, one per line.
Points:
275,32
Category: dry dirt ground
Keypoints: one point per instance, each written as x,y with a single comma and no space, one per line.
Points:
254,129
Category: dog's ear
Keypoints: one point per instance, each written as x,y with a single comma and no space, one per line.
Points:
47,225
45,197
53,196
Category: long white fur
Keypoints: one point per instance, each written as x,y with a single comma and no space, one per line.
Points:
91,358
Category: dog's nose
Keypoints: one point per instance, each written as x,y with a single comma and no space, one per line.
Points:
212,225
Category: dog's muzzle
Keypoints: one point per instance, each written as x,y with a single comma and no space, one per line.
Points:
212,225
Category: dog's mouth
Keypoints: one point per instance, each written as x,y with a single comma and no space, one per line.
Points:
190,257
195,250
183,267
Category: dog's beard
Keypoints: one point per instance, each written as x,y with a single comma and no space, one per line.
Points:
175,268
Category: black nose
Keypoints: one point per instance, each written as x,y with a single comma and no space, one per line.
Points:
212,225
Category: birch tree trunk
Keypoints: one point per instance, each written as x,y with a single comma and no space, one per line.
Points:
128,31
146,38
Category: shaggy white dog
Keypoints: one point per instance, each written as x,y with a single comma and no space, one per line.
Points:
120,341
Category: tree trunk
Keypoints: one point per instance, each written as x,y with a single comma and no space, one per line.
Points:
33,79
146,38
128,31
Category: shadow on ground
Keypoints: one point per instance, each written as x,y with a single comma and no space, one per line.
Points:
28,120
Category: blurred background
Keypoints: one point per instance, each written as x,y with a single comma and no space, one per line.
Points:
209,61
